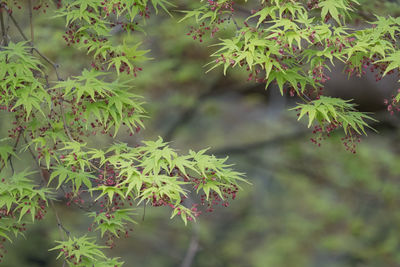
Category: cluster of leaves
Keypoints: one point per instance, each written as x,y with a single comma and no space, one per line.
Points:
108,104
56,118
153,173
291,43
20,82
91,25
20,198
81,251
295,43
334,110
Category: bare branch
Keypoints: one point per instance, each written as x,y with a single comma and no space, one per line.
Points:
191,252
16,25
65,123
3,28
31,20
194,242
54,65
14,149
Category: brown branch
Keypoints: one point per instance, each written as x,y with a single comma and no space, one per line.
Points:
65,123
194,242
241,149
187,115
14,149
16,24
31,20
11,165
54,65
192,250
234,22
3,28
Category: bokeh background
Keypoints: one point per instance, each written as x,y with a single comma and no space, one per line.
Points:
306,206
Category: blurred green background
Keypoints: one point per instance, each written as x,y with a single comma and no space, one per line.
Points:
307,205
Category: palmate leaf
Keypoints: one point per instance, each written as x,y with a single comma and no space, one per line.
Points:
115,262
129,54
336,110
269,11
108,191
156,170
204,14
114,222
81,248
20,195
111,102
77,178
393,60
87,84
20,85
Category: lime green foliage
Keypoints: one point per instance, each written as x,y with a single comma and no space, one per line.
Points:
18,79
95,29
20,198
204,13
6,151
109,102
56,118
83,251
334,110
114,224
295,43
153,166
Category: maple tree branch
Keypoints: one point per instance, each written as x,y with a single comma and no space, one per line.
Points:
234,22
194,243
31,20
16,25
3,28
14,149
192,250
187,115
54,65
65,123
279,140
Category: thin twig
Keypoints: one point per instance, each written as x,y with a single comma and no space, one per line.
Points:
65,123
14,149
16,25
31,20
11,165
3,28
144,210
187,115
271,142
235,22
54,65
